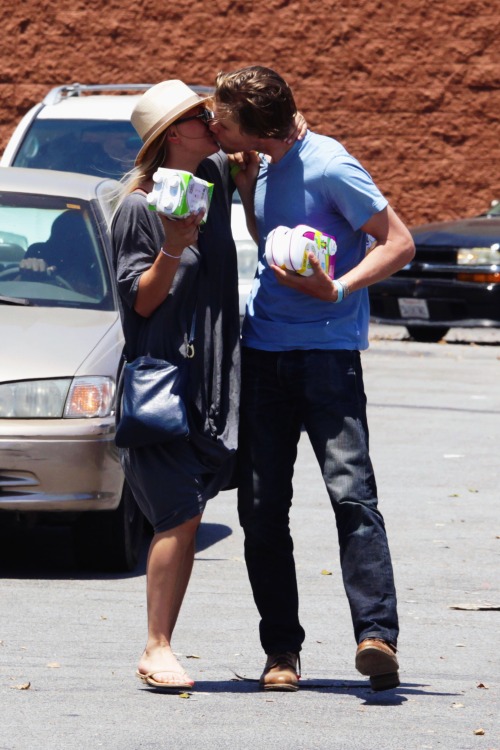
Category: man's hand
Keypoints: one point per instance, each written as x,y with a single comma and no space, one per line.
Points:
318,285
38,265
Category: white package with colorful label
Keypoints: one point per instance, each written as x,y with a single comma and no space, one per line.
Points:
290,248
177,193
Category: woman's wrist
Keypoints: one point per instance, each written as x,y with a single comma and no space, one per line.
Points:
169,255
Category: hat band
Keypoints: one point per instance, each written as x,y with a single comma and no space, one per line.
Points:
158,126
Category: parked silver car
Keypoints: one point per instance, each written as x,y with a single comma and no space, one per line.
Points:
61,347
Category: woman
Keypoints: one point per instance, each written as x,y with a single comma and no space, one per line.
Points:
167,271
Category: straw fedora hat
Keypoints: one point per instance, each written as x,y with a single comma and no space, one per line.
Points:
159,107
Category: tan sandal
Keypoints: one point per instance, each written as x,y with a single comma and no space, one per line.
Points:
148,679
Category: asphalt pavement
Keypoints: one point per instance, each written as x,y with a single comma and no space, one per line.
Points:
70,639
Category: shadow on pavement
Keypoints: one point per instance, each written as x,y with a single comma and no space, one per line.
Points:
47,552
360,690
211,533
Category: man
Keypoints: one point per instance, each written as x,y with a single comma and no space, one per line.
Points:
301,339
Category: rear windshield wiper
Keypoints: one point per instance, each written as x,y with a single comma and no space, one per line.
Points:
14,301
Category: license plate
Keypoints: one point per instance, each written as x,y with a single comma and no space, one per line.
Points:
413,308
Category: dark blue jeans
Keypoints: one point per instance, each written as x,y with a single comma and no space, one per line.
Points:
324,392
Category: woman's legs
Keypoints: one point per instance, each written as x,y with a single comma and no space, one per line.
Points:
170,563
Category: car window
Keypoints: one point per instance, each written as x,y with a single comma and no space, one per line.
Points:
51,253
92,147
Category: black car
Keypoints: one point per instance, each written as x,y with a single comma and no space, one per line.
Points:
453,280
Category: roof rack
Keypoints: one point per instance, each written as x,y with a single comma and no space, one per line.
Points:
59,93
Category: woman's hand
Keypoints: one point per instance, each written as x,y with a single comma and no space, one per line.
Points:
155,282
180,233
245,166
299,129
244,171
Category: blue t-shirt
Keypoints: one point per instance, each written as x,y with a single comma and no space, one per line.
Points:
317,183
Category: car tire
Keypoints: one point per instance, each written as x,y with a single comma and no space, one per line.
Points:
427,334
111,540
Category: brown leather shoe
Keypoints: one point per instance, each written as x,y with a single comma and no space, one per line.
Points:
280,672
377,659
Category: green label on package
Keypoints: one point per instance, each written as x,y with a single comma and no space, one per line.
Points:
177,193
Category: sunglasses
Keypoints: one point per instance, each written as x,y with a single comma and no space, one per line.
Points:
205,116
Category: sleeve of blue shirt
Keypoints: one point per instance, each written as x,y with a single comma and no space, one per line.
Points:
351,190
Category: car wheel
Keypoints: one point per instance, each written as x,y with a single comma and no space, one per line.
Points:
427,334
111,540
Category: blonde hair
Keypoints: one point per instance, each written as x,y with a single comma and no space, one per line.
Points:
153,158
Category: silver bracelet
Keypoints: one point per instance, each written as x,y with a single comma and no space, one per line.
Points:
168,254
345,287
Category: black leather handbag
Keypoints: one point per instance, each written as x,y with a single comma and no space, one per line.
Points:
152,408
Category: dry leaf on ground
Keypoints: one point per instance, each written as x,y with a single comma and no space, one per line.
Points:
23,686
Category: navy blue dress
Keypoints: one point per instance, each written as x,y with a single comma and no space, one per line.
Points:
173,481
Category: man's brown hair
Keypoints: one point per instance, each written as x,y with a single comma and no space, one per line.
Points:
258,99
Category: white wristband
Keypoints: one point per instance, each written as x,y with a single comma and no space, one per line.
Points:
342,288
340,291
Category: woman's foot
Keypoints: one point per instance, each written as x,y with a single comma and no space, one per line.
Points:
159,667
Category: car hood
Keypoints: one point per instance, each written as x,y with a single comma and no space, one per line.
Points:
478,232
40,342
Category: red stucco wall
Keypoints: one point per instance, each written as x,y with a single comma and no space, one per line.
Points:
411,88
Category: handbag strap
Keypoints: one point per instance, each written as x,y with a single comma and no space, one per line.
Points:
189,340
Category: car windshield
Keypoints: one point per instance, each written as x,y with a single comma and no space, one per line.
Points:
51,253
495,209
94,147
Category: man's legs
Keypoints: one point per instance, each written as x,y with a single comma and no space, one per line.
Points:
337,427
335,418
269,432
324,390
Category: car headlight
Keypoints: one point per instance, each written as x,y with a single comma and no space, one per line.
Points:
90,397
489,257
53,399
479,256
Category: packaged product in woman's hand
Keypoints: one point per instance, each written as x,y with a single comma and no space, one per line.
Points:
290,248
177,193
